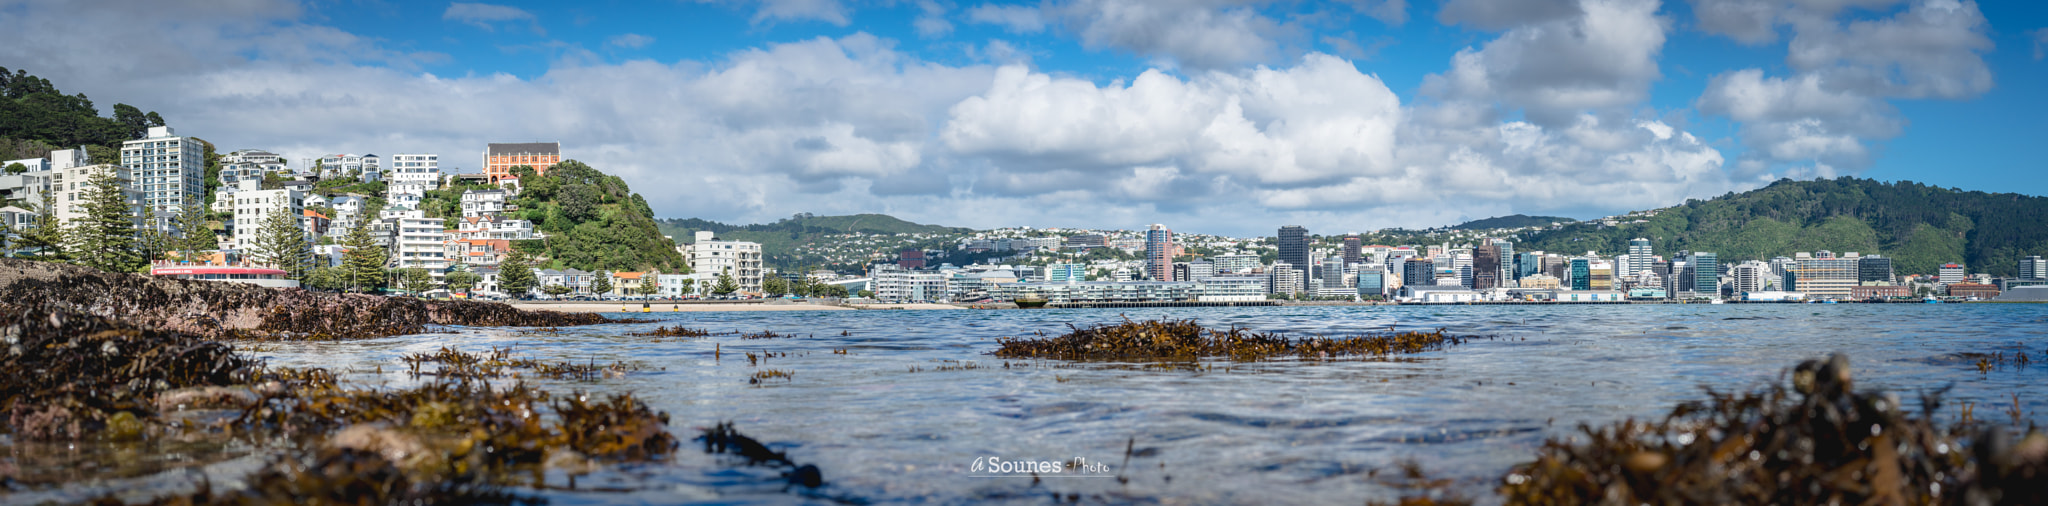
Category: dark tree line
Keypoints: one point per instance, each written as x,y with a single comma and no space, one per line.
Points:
33,109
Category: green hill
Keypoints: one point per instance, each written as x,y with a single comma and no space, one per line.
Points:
806,240
593,222
1920,226
36,117
1512,221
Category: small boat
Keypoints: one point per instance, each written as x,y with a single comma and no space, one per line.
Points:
1030,302
1718,301
1931,300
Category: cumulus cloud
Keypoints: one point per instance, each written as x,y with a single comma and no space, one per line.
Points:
770,11
931,20
1825,116
1602,56
488,16
1503,14
630,41
849,124
1391,12
1015,18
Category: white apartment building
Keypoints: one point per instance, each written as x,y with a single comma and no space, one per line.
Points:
366,167
494,227
484,202
893,284
252,204
407,194
247,164
421,242
415,168
1751,276
167,169
740,259
70,187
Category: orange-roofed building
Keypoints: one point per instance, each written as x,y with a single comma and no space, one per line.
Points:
316,222
627,283
499,159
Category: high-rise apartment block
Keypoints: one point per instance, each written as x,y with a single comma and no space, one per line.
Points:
2033,267
167,170
499,159
417,168
1159,253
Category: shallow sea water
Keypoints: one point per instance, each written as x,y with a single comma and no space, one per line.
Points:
905,413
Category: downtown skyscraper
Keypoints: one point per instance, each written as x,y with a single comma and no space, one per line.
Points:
1294,249
1159,253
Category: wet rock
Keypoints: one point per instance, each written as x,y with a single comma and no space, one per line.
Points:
1183,340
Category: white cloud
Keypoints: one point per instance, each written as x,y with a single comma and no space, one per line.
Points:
487,16
1015,18
1391,12
770,11
931,20
1825,116
1603,57
851,125
630,41
1503,14
2040,43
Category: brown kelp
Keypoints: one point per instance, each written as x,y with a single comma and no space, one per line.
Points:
722,438
1818,442
211,309
73,376
676,331
1184,340
499,363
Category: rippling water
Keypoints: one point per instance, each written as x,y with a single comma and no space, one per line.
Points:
898,419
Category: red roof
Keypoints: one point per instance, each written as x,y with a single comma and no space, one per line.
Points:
213,269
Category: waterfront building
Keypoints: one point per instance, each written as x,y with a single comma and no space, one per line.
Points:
1880,290
1372,280
415,168
1236,263
892,284
270,278
1294,250
1283,278
739,259
2033,267
1822,275
1705,270
168,170
1640,256
1874,268
1751,276
1505,256
1540,282
1601,273
499,159
1159,253
1486,269
1590,296
1063,273
1951,273
1978,291
1581,274
1418,271
1243,288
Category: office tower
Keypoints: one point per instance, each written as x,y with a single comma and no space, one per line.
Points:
1294,250
1506,258
1486,267
1418,271
1159,253
1874,268
1706,271
1951,273
1640,256
2032,267
1351,250
1582,274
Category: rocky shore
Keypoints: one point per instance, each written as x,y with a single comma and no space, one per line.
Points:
236,311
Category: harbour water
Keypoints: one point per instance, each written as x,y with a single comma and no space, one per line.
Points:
915,400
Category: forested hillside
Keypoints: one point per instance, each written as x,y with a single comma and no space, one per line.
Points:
1512,221
1920,226
593,221
829,242
36,117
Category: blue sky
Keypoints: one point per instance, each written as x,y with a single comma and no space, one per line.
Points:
1215,116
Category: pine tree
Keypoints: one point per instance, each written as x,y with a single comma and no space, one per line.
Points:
104,238
195,235
725,285
364,262
281,243
515,275
416,280
602,285
44,233
152,242
650,284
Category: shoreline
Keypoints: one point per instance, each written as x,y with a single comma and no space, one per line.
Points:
706,307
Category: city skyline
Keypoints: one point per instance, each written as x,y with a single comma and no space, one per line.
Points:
1238,117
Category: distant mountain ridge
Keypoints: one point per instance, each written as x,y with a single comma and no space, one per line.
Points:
1512,221
794,242
1919,226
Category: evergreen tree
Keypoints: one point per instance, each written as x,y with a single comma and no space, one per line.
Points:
556,290
461,280
364,262
650,284
195,235
725,285
416,280
602,285
775,286
515,275
44,233
328,278
281,243
104,238
152,242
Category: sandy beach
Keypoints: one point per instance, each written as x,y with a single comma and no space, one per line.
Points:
665,307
